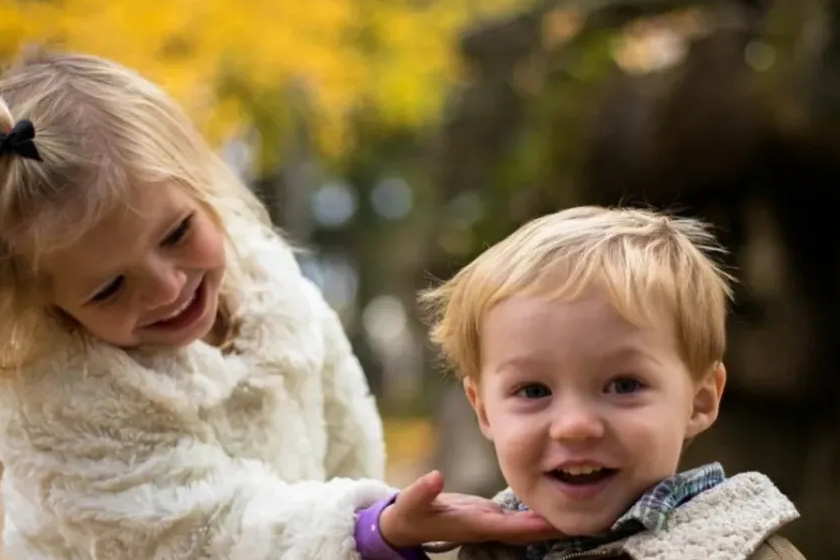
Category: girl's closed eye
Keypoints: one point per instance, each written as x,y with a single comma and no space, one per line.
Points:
108,291
624,386
178,233
533,391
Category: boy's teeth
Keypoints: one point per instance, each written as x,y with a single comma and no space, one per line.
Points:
575,471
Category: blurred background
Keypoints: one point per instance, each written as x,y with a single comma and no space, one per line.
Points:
394,140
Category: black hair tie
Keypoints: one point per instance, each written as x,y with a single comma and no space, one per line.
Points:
18,140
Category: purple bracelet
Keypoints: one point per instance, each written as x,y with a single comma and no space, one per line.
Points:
369,542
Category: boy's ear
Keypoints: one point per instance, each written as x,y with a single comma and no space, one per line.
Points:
706,403
474,396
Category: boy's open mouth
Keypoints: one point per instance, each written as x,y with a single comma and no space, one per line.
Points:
582,475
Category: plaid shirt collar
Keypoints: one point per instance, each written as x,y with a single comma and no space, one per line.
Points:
649,513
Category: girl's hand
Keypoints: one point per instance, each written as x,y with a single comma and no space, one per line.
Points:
422,513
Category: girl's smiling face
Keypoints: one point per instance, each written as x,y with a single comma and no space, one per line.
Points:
148,274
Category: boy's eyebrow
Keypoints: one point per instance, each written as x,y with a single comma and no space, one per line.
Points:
630,351
624,351
520,363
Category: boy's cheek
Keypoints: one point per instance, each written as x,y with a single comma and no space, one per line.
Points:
515,444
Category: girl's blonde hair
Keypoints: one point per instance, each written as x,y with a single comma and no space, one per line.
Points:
101,129
645,262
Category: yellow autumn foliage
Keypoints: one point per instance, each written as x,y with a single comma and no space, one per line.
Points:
392,58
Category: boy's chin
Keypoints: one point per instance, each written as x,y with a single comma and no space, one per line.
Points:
579,524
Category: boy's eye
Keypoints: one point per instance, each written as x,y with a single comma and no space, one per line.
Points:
178,233
534,391
624,386
108,291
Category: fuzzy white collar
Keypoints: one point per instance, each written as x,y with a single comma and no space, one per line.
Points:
727,522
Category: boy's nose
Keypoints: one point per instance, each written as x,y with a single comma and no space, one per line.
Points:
576,423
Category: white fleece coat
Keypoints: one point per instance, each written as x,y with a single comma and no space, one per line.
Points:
193,453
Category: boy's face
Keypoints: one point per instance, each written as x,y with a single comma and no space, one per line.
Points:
586,410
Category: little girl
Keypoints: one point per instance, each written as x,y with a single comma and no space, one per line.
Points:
172,386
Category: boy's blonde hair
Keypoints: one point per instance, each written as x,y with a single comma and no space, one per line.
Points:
101,129
644,261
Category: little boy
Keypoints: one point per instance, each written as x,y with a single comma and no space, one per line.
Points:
590,345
